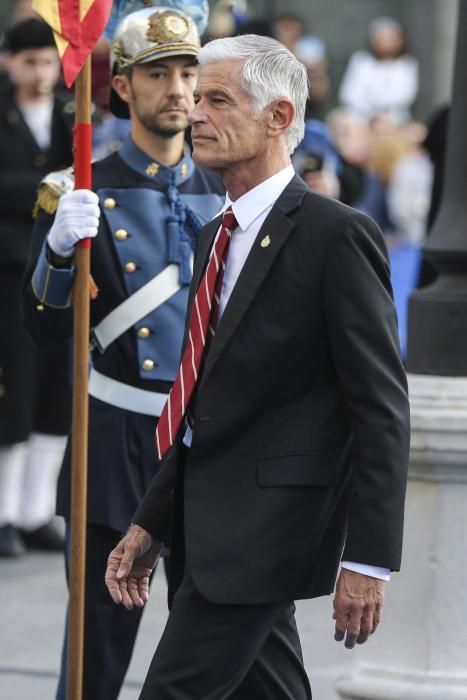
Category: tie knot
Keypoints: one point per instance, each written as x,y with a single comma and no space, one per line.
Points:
228,220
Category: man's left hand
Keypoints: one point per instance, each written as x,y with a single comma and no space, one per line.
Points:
129,567
358,606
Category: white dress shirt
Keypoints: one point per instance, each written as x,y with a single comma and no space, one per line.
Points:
251,209
38,117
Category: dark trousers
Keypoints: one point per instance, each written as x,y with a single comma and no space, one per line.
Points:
210,651
110,630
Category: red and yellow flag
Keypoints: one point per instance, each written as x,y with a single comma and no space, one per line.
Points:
77,26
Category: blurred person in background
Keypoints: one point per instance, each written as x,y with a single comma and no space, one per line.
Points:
35,135
288,29
354,137
408,199
311,51
150,202
409,187
227,18
384,78
325,170
23,10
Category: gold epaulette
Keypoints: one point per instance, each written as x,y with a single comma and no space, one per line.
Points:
51,188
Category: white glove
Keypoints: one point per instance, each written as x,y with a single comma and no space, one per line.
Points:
77,217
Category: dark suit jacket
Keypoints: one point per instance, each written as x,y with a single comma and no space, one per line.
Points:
23,164
301,421
37,392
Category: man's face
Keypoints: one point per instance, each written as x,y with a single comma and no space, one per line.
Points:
34,71
288,31
387,43
160,94
225,129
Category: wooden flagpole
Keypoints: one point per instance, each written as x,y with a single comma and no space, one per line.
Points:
79,454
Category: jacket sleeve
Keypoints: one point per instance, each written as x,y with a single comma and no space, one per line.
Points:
45,296
362,328
154,513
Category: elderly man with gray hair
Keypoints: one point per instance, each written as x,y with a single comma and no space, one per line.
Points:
285,436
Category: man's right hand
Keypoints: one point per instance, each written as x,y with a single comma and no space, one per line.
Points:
129,567
77,218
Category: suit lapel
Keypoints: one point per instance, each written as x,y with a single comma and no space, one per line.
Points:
205,243
277,227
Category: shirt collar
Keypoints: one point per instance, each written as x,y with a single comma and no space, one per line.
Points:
254,202
158,173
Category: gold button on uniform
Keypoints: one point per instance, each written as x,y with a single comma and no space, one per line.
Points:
148,365
110,203
121,234
144,332
130,267
40,307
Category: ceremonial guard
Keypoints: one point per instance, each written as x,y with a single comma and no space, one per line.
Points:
35,137
148,205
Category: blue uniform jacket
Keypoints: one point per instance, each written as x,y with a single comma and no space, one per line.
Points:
150,216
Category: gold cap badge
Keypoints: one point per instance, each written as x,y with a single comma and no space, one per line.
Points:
153,33
166,26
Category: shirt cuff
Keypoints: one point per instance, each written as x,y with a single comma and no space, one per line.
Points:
368,570
52,285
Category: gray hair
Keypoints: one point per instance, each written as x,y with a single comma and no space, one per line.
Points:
269,72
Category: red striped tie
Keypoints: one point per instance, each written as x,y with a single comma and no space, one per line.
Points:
204,314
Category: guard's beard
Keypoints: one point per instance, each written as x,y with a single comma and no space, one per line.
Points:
164,131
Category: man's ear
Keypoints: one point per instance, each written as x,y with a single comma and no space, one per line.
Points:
281,116
121,85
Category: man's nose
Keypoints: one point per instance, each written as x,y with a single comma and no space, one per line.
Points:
176,85
196,114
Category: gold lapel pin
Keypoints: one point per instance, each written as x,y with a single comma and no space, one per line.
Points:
265,242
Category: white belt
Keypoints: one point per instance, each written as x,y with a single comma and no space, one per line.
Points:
141,303
125,396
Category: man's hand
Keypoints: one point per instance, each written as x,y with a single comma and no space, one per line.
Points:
358,606
77,218
129,566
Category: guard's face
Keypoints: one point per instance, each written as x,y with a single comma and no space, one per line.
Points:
34,71
160,93
225,129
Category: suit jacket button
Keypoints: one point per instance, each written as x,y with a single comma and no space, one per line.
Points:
148,365
144,332
12,117
40,160
121,234
129,267
40,307
110,203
